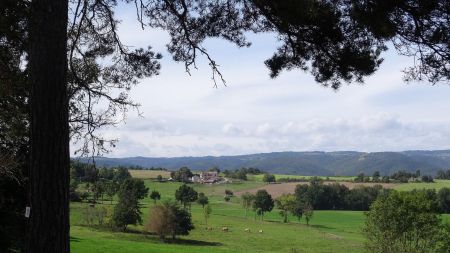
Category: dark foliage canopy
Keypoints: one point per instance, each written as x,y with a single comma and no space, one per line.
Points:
263,201
186,195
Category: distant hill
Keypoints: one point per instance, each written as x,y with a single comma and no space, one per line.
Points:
342,163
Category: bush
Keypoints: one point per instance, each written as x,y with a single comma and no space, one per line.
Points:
268,178
229,193
75,196
94,215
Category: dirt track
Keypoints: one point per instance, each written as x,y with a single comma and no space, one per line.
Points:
277,190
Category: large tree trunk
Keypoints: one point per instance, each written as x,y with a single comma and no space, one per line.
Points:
50,158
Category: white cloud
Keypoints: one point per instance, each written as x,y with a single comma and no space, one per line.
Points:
185,116
231,129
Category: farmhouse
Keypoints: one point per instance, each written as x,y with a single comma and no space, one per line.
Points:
196,179
209,177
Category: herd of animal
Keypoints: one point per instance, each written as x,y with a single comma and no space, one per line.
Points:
225,229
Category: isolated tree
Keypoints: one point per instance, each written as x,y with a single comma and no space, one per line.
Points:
161,220
263,202
186,195
169,219
286,203
128,210
206,213
50,158
155,196
339,41
308,212
202,199
405,222
159,178
268,178
247,201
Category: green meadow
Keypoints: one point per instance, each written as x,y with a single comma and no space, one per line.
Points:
278,176
329,231
438,184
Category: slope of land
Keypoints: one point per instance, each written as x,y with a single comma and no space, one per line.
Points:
329,231
303,163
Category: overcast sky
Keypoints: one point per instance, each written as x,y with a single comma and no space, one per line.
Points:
185,116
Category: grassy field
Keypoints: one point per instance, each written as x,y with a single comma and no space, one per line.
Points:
149,174
341,229
329,231
278,176
438,184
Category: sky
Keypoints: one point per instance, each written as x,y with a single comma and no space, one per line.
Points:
184,115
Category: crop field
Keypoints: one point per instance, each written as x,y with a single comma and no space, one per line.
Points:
329,231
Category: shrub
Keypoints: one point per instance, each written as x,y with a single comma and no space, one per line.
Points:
229,193
268,178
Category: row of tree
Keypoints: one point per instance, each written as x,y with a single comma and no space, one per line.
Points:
337,196
443,174
401,176
242,173
97,182
262,202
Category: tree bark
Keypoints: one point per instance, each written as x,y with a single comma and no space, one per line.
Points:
50,158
